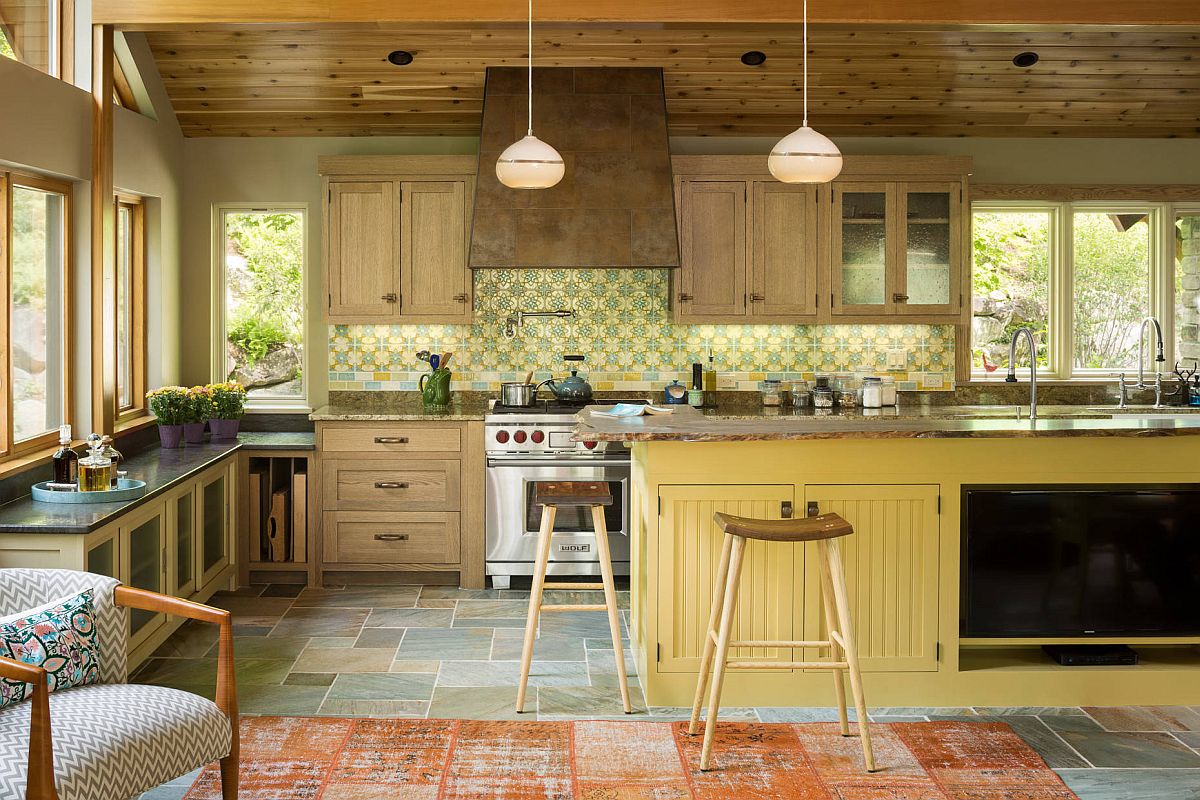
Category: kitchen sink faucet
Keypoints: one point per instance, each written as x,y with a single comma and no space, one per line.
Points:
1158,358
1012,367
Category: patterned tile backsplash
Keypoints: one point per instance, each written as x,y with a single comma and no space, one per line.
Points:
623,327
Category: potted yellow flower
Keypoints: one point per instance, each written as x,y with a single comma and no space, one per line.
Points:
170,406
199,412
229,406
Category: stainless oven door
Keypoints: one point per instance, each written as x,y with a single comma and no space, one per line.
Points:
512,519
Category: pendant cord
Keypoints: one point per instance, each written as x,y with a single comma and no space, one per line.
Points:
805,62
530,131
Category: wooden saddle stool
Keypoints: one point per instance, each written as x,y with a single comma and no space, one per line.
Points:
551,496
843,654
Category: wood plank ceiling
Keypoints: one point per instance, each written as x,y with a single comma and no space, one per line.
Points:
1134,82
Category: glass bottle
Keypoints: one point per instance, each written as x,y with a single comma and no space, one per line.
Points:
95,469
107,448
66,460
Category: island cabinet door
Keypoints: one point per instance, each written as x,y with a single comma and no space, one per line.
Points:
689,551
891,565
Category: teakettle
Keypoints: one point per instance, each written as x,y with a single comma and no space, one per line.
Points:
574,387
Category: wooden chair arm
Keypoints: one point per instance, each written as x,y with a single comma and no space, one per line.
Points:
40,783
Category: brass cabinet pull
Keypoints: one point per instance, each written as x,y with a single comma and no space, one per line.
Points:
683,298
390,297
391,440
462,298
899,298
390,485
757,298
391,537
814,508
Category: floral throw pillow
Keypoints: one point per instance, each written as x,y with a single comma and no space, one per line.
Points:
59,637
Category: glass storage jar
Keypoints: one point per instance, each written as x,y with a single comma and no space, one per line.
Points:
872,393
772,392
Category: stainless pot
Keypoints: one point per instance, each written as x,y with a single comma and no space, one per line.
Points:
518,394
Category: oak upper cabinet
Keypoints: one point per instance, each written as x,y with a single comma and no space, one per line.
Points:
362,263
397,229
712,280
783,251
896,249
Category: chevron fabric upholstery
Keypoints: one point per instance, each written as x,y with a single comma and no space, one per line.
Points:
114,741
23,589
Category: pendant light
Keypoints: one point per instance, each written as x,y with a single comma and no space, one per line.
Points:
530,163
805,156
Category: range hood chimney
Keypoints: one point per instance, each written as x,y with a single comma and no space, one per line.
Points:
615,206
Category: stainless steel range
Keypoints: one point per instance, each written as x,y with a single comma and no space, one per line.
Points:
527,445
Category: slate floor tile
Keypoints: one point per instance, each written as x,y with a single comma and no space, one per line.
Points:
492,609
383,686
281,700
380,637
282,590
591,702
309,678
321,622
416,666
480,703
277,647
359,597
410,618
1145,718
509,642
191,640
340,659
507,673
454,593
1122,749
1133,784
254,611
433,644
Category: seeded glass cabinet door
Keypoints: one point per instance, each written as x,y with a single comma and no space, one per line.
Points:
215,523
143,549
863,248
929,269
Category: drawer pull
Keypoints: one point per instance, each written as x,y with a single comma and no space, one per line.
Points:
391,440
390,485
391,537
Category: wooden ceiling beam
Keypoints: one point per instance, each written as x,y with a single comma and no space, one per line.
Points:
156,14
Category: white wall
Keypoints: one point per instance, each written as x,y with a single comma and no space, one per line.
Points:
47,129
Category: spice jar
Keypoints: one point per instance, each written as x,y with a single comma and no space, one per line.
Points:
889,390
848,394
772,392
801,396
872,393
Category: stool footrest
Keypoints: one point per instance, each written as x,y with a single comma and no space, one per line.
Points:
787,665
769,642
576,607
588,586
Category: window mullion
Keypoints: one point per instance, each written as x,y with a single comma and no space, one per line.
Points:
1062,328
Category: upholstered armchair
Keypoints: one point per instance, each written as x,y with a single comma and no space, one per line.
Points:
110,740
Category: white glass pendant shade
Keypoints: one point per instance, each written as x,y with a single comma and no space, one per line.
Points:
530,164
805,156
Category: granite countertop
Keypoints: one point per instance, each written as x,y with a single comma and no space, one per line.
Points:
402,410
159,468
686,424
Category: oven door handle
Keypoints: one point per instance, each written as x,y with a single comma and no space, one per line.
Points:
550,463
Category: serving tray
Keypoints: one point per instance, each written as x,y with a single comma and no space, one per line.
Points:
127,489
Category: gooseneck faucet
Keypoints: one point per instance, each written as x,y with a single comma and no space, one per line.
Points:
1158,358
1012,366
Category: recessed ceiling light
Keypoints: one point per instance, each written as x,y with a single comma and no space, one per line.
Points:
754,58
401,58
1026,59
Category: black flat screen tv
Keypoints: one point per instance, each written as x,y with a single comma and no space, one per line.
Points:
1080,561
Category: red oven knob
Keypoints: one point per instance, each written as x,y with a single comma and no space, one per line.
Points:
519,437
537,437
502,437
590,445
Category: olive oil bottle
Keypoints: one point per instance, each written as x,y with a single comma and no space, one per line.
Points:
95,469
66,460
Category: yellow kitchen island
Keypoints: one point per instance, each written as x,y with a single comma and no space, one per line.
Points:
899,481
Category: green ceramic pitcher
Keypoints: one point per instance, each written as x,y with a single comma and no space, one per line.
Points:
435,389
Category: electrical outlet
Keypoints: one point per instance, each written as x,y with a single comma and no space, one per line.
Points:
726,383
897,359
934,380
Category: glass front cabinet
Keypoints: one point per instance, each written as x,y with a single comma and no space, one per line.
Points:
897,249
181,540
214,526
143,551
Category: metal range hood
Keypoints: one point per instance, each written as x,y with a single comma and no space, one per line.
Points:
615,206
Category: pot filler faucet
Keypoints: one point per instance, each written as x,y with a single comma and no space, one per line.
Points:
1012,367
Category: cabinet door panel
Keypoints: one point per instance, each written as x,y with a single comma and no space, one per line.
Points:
689,548
931,250
784,251
863,248
361,252
213,532
891,564
713,277
434,277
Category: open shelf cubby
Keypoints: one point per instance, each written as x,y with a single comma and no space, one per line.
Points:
278,512
1031,658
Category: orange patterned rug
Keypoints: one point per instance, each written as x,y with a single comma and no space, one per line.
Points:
302,758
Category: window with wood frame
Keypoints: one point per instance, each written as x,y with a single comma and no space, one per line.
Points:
122,90
35,220
39,33
131,307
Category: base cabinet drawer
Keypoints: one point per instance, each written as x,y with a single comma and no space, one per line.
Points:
397,485
373,537
359,440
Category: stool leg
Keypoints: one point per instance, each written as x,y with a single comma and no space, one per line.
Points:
835,650
842,602
545,533
714,618
610,601
727,611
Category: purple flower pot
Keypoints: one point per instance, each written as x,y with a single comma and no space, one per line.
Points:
193,432
170,435
224,428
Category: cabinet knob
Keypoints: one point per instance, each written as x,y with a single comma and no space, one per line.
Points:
391,537
390,297
461,298
757,298
390,485
683,298
899,298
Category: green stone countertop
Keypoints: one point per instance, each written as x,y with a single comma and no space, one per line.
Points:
161,469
